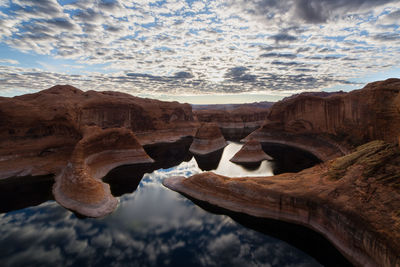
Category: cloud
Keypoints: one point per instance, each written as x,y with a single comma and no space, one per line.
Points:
204,47
9,61
278,55
239,74
283,37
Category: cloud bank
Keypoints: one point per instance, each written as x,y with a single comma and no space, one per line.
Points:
198,47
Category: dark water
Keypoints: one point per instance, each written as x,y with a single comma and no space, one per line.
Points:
154,226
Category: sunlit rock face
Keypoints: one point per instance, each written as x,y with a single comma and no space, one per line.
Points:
78,186
353,200
70,133
251,152
330,125
208,139
39,131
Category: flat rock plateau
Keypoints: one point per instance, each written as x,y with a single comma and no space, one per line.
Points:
352,197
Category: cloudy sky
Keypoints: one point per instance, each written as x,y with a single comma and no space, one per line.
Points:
198,51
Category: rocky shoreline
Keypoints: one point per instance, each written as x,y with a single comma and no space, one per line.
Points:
352,197
347,211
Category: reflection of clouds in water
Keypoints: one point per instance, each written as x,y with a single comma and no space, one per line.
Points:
152,226
227,168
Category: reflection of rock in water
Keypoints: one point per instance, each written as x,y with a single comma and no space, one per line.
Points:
289,159
209,161
251,165
21,192
298,236
169,153
125,179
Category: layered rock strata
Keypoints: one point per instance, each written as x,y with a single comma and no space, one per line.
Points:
79,187
236,123
208,139
353,201
251,152
340,121
42,133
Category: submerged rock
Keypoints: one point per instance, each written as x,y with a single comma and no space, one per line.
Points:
208,139
251,152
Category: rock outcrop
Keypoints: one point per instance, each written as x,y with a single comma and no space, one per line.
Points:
331,125
79,187
353,201
251,152
235,123
208,139
42,133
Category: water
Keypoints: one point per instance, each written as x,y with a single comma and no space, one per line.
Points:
153,226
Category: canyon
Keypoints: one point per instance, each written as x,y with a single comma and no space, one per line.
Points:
352,197
235,121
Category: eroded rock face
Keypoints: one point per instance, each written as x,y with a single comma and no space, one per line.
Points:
38,132
251,152
78,186
79,136
341,121
353,201
236,123
208,139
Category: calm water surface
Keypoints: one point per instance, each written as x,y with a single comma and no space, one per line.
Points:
153,226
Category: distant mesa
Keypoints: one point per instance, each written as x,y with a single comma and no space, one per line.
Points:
208,139
235,121
251,152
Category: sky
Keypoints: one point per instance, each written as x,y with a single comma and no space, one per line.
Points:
222,51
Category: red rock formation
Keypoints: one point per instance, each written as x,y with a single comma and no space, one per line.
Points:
48,124
340,121
251,152
353,201
78,186
208,139
236,123
41,132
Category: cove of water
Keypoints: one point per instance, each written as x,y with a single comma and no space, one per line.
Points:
154,226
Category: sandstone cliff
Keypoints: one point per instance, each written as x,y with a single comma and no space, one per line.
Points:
208,139
337,121
44,127
236,123
44,132
78,186
251,152
353,201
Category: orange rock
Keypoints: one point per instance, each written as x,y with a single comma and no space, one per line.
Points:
235,123
332,124
251,152
208,139
78,187
353,201
80,136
